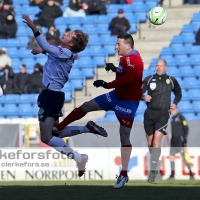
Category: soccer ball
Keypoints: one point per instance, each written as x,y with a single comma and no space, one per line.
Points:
157,15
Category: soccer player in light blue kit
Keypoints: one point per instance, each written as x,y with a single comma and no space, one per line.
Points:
55,75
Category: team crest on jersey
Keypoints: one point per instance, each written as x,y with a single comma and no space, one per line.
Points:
152,86
168,81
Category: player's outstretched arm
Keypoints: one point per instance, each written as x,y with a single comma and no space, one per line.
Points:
30,23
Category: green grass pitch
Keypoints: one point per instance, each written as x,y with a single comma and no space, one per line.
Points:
100,190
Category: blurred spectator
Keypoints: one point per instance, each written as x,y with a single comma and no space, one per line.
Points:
74,9
32,42
96,7
118,1
8,28
197,38
119,24
6,80
38,2
35,80
5,9
53,36
50,11
4,59
21,80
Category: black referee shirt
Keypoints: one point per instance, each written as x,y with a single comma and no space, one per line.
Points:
160,89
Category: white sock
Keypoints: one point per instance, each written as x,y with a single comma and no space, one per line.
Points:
62,147
69,131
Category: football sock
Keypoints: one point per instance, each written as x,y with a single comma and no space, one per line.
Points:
150,149
125,157
76,114
69,131
172,168
62,147
155,155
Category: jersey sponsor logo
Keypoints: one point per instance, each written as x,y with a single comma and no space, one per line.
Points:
152,86
125,121
168,81
129,62
122,109
108,97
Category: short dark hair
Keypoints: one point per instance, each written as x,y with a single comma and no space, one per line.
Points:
80,41
128,39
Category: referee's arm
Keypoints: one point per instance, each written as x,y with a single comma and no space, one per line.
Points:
144,87
177,91
185,129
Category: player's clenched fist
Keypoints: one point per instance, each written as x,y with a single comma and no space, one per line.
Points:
36,50
110,66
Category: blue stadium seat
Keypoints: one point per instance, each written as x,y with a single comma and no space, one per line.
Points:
41,60
99,52
133,28
61,20
185,95
1,111
26,53
132,18
195,60
188,28
142,107
13,52
10,110
197,70
85,53
12,42
104,19
187,72
68,96
153,63
2,100
128,8
113,8
31,10
194,50
23,31
23,41
89,19
100,61
140,8
26,98
108,40
11,99
29,62
166,51
3,42
196,17
111,49
194,94
75,27
173,71
94,40
183,60
188,38
89,72
151,3
74,20
146,73
27,110
180,50
196,105
182,83
192,83
191,116
103,29
68,87
142,16
177,39
84,63
76,78
90,29
196,26
185,107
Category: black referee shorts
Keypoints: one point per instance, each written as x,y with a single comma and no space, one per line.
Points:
176,146
156,120
50,104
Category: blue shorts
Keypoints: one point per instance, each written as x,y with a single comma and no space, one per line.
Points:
124,109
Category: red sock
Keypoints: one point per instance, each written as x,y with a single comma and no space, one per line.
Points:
125,157
76,114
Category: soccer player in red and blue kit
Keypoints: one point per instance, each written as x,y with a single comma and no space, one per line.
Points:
123,100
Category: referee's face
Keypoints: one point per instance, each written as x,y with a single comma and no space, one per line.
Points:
161,67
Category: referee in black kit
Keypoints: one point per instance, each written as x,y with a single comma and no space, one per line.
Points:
159,88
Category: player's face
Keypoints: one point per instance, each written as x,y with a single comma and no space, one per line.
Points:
121,47
161,67
66,39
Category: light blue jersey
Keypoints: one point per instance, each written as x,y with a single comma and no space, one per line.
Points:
58,65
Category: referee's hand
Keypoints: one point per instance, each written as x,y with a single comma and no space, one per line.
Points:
147,98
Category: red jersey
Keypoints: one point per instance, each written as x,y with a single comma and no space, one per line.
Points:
128,81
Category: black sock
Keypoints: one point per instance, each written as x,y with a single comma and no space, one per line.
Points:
172,169
155,155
